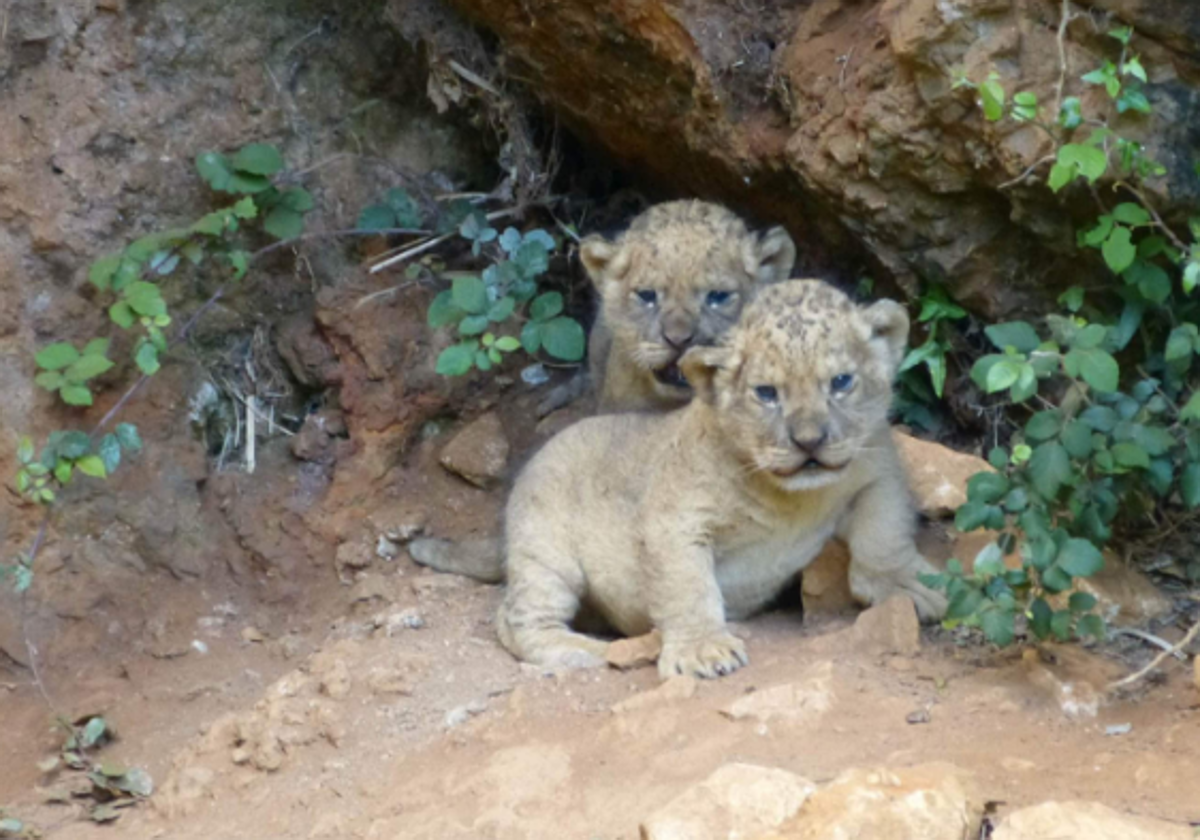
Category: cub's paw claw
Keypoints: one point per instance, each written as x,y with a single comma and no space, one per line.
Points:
713,656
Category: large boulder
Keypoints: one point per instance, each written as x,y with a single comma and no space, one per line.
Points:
838,118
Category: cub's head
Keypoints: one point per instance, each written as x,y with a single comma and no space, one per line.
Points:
678,278
803,382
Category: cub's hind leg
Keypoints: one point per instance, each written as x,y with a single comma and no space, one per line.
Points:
534,621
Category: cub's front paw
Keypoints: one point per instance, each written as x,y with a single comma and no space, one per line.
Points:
709,657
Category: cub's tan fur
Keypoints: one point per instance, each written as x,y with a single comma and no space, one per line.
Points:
679,520
678,277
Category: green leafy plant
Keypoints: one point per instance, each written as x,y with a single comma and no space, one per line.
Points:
1116,433
917,396
479,306
396,211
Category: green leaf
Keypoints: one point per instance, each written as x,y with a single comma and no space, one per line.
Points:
1118,250
146,358
1020,335
128,436
91,465
1072,298
73,445
258,159
1039,619
1082,161
1060,624
63,470
93,732
1129,213
533,258
510,240
1092,335
109,450
563,338
989,562
482,360
76,395
97,347
442,310
1077,438
145,299
1080,602
1191,411
214,169
25,449
377,217
51,380
1131,456
1095,237
1100,417
1092,625
242,182
971,516
1098,368
473,325
1070,115
470,295
121,314
297,199
1156,440
1002,374
987,487
1049,469
1189,485
102,270
1191,276
1150,279
1181,343
1025,106
507,343
531,337
997,626
1079,558
56,356
283,223
1124,34
456,360
991,95
408,215
1132,99
546,306
86,368
964,604
245,208
1043,425
502,309
495,356
240,262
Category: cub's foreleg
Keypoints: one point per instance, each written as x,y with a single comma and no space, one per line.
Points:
883,556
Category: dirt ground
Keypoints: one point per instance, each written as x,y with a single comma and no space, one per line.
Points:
387,709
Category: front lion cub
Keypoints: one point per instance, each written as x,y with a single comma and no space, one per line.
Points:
678,521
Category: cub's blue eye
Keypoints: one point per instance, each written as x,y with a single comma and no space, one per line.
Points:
767,394
841,383
647,296
718,298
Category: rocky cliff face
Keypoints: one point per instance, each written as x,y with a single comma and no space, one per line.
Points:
838,117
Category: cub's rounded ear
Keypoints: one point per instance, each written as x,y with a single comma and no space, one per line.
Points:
889,330
700,366
770,258
603,260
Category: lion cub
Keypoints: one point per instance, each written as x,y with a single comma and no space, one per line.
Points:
680,520
678,277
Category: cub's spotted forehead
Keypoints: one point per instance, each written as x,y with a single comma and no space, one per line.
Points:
798,312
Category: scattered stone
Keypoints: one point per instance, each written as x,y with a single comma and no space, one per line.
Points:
670,691
1052,820
371,588
825,583
334,677
930,801
919,716
461,714
352,557
385,549
435,584
900,664
1078,699
1123,593
478,453
1118,729
199,646
1017,765
480,559
383,680
889,627
800,702
409,619
638,652
252,634
937,474
737,800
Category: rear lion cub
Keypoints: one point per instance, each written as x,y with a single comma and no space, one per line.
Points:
677,521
